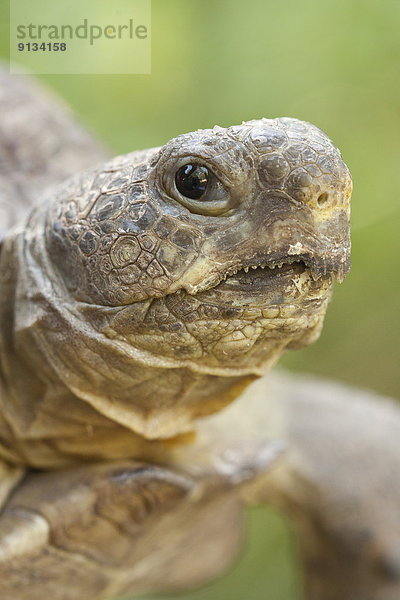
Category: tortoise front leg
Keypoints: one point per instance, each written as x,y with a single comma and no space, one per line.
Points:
100,531
338,482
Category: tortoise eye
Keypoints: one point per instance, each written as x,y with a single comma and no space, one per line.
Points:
195,185
191,180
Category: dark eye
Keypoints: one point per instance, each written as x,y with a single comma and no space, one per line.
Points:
196,186
191,180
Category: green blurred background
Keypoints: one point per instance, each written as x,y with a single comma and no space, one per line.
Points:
335,63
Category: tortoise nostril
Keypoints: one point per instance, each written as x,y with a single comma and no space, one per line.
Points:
322,199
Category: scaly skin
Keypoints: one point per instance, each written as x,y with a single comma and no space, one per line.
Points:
118,287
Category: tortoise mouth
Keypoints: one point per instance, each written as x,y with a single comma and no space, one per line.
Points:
291,281
258,278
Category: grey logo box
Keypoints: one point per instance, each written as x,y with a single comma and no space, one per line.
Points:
75,37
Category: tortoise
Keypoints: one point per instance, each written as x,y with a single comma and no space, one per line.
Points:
139,298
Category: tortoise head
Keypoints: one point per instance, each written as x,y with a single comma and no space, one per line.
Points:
229,238
209,256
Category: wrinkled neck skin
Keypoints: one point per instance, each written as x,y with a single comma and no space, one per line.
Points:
75,386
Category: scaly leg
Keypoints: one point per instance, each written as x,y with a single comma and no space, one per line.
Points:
104,530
